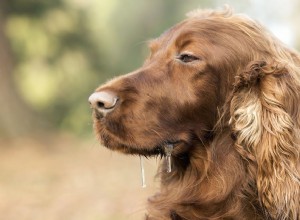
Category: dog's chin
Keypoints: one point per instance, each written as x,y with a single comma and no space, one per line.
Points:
133,149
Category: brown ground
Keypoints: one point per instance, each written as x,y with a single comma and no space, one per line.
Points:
71,180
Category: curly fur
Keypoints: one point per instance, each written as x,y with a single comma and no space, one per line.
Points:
233,113
266,134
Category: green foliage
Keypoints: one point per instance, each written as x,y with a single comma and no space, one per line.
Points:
58,63
32,8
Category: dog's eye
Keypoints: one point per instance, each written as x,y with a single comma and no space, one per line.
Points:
187,58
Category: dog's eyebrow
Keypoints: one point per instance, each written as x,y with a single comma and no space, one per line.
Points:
165,37
153,44
180,44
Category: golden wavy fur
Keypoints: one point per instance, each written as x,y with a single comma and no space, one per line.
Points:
226,94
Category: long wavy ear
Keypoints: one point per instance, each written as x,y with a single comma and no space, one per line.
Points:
265,119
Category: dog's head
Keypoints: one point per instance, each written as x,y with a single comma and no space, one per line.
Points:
174,97
214,69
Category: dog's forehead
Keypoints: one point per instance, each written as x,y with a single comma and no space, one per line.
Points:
170,36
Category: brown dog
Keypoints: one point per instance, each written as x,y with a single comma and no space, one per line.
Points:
225,94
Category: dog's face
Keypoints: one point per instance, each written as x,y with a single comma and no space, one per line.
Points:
173,97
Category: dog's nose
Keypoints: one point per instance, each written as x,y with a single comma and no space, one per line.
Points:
103,101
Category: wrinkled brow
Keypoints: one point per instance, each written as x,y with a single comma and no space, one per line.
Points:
183,42
154,45
165,37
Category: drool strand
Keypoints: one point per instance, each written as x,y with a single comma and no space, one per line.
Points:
168,151
142,172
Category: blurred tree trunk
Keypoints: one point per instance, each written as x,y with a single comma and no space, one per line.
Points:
16,118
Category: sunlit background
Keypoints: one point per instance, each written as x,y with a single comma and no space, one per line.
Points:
53,54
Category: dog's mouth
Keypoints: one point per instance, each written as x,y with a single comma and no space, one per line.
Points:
126,141
146,151
162,150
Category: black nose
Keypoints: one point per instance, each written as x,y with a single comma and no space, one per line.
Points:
103,101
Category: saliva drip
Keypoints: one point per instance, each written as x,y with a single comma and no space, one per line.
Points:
168,151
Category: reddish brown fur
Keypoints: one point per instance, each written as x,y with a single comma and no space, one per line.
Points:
233,112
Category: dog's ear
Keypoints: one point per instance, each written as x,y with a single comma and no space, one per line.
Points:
265,120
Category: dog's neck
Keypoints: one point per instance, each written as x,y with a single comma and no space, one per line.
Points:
202,181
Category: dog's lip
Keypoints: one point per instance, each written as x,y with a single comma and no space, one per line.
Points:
130,148
173,142
157,150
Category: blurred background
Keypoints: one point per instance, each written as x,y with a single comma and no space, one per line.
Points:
53,54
